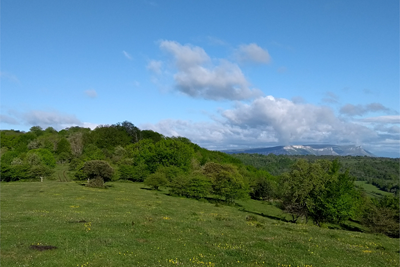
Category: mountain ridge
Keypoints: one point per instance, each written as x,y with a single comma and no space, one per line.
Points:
317,150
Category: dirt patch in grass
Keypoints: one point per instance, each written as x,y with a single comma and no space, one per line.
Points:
80,221
42,247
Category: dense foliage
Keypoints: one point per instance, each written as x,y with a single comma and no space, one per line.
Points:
381,172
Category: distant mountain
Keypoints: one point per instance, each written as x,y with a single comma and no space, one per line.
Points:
317,150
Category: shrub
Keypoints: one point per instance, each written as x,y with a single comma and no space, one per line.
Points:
194,185
96,169
156,180
263,189
382,216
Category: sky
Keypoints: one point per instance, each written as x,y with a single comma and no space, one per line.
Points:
226,74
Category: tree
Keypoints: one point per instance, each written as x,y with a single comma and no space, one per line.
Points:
263,189
336,203
226,181
149,134
76,142
297,186
44,155
230,185
37,130
63,146
131,130
97,172
173,152
319,191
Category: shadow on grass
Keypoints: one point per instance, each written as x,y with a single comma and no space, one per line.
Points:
211,200
352,228
266,215
149,189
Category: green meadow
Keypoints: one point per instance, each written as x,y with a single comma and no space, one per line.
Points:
371,190
65,224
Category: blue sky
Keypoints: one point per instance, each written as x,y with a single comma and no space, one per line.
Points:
225,74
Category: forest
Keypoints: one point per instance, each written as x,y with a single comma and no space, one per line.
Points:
309,188
381,172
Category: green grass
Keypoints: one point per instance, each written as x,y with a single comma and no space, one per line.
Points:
372,190
126,225
61,173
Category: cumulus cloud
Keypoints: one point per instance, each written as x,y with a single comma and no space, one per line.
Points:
360,110
155,66
127,55
197,75
294,122
91,93
252,53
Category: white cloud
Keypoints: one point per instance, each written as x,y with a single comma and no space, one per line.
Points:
127,55
252,53
155,66
198,77
90,125
91,93
294,122
186,56
212,135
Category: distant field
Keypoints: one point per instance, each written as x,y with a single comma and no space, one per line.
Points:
372,190
126,225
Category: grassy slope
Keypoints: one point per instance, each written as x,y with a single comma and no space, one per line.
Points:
372,190
129,226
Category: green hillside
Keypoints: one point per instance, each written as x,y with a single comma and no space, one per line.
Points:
121,196
128,225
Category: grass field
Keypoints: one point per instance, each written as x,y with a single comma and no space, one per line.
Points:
372,190
126,225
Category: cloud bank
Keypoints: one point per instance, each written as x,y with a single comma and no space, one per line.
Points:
269,121
44,119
